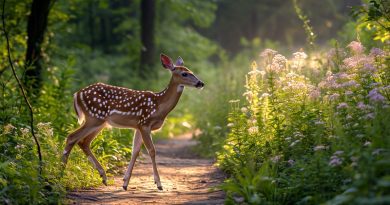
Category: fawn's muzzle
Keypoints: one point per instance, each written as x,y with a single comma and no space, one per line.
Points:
200,84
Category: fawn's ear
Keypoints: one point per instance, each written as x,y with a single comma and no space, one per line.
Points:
167,62
179,61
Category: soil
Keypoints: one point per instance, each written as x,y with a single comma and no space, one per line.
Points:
186,179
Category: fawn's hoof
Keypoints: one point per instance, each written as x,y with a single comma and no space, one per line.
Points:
104,182
159,188
124,188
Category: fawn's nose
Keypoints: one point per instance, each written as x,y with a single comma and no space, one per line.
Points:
200,84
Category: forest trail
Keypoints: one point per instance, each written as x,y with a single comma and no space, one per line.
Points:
186,179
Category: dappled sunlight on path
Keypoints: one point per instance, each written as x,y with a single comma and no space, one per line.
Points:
186,179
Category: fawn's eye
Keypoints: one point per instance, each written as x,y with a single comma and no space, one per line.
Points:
184,74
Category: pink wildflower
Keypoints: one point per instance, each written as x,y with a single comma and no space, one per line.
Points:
299,55
335,161
357,61
330,82
276,158
319,147
268,53
265,95
334,97
350,83
278,63
291,162
292,75
294,143
24,131
248,95
376,52
370,116
342,105
368,67
375,96
253,130
343,76
361,106
348,92
356,47
315,94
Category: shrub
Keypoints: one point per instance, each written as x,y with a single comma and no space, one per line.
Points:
318,125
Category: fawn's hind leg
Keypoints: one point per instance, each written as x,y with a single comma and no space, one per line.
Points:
86,129
85,146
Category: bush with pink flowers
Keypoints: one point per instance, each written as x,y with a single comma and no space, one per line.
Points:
312,130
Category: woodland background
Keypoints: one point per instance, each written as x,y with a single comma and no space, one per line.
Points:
58,47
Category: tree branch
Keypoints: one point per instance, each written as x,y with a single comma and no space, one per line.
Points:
22,91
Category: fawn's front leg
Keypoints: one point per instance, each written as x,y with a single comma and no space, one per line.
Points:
147,138
137,142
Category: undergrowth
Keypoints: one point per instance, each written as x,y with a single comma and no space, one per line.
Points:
312,130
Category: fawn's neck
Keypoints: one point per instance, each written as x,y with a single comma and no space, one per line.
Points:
170,96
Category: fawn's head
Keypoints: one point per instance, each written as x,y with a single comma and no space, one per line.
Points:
180,74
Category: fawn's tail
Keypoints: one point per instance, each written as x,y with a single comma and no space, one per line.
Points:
79,112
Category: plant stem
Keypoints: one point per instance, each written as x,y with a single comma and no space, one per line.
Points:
23,92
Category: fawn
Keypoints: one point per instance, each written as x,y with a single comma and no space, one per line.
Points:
100,105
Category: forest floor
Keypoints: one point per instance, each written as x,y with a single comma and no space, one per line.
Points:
186,179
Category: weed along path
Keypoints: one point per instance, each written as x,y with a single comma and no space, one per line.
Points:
186,179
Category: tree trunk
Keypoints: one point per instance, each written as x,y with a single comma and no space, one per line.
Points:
36,27
147,37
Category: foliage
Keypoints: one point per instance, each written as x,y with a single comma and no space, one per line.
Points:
85,43
90,41
317,126
223,82
374,16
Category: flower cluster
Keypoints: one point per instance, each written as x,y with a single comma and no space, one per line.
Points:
377,52
301,117
356,47
278,64
375,96
299,55
335,159
268,53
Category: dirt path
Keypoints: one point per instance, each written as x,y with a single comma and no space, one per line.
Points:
186,179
